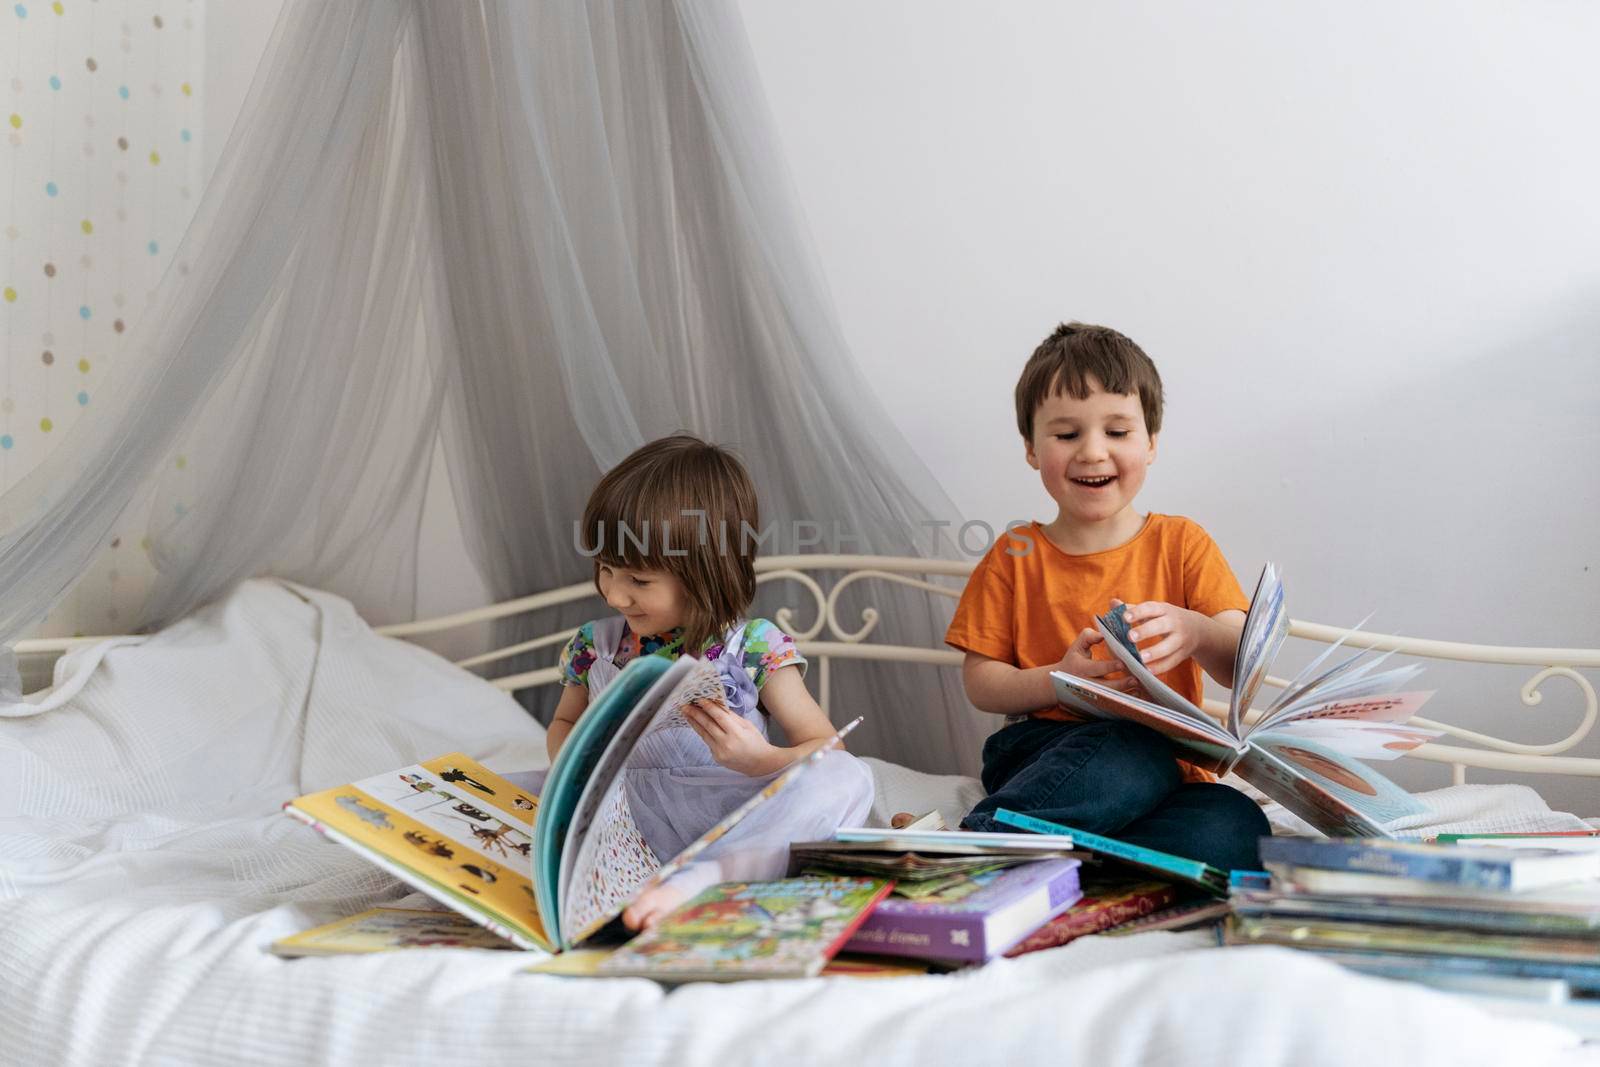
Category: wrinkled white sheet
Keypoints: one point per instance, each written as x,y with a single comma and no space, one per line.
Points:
144,868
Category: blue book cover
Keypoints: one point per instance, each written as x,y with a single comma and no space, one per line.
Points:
1207,877
1474,868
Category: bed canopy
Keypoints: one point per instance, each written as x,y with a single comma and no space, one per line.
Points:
543,233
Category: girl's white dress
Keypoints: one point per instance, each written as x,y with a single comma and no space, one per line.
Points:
676,791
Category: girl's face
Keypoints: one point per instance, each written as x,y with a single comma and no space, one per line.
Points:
652,601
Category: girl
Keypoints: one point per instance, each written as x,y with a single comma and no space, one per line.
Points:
667,528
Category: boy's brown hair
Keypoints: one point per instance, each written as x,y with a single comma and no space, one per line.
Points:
1077,352
646,514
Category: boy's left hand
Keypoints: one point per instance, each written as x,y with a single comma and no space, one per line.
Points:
734,741
1178,628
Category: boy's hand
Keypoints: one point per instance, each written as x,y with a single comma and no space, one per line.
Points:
734,741
1079,661
1179,629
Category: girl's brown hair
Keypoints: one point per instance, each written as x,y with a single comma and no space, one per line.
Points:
680,505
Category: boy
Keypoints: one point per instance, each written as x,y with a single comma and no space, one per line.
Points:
1089,410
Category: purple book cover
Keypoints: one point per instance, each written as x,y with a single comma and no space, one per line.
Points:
974,921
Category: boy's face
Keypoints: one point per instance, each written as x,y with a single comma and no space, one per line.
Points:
1091,454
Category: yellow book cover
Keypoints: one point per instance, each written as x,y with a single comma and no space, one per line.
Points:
448,826
385,929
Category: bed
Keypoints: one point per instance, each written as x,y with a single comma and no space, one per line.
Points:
144,867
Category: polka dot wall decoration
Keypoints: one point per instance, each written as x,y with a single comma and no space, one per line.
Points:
105,126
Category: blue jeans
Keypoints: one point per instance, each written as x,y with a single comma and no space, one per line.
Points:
1121,780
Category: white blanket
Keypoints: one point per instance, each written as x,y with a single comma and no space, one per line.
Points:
144,868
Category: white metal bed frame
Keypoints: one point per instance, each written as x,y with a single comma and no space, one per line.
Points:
827,638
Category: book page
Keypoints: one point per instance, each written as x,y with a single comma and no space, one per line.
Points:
1115,631
1205,744
578,933
605,859
1265,627
1368,727
642,683
1336,794
448,827
1360,740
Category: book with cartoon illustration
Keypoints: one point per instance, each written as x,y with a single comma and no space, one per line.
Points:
548,871
789,928
1305,749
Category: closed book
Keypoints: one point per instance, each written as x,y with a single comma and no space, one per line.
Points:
1161,864
1101,908
974,921
1376,937
1459,865
788,928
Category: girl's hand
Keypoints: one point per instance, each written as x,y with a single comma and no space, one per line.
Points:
1079,662
1180,631
734,741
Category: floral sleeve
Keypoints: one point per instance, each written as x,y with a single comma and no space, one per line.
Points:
578,656
766,648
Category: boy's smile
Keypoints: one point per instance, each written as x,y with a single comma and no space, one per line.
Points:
1092,455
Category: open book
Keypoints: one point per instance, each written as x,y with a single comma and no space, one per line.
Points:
1304,750
549,871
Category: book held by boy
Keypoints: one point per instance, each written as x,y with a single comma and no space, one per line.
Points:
546,872
1305,749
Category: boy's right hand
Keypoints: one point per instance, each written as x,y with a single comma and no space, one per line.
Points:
1079,661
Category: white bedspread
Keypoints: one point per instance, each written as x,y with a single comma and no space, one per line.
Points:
144,868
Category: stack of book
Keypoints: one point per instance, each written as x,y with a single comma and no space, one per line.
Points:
959,898
1439,912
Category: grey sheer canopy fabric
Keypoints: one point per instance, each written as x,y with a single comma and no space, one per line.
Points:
546,232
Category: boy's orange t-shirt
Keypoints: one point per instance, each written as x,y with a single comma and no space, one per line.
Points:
1027,600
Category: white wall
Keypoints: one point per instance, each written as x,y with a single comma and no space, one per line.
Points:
1361,240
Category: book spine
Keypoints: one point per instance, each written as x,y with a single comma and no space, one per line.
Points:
1477,873
934,937
1108,846
969,935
